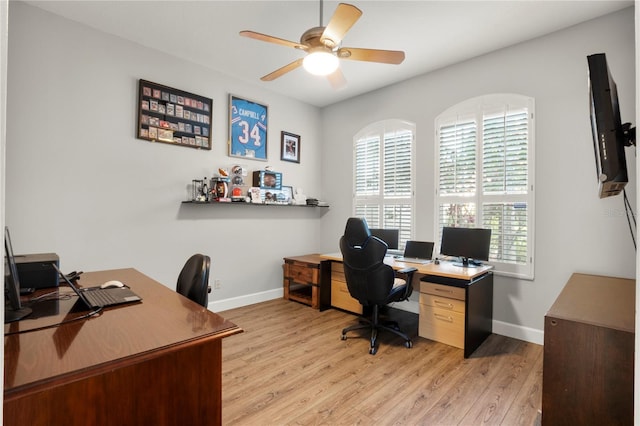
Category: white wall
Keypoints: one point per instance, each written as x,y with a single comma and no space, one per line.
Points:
575,230
80,184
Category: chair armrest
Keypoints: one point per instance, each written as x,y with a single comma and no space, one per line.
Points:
408,271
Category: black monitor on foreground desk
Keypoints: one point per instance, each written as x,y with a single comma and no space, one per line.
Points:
13,310
468,244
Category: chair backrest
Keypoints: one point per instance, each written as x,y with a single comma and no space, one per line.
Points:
369,279
193,281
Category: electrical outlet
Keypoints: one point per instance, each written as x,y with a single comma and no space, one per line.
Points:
217,284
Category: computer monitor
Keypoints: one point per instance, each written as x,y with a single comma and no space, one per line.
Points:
468,244
389,236
13,311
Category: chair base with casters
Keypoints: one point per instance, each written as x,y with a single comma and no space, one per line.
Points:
375,325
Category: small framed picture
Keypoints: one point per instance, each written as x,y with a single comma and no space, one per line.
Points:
290,147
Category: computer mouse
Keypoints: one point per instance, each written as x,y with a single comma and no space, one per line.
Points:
112,284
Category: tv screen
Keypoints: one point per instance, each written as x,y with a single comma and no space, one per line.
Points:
389,236
466,243
610,136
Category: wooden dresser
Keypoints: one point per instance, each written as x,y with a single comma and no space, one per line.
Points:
302,279
589,335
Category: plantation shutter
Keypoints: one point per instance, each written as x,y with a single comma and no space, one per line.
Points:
484,176
383,181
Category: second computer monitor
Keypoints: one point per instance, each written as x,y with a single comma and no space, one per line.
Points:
389,236
466,243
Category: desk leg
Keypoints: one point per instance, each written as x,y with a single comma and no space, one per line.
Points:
479,313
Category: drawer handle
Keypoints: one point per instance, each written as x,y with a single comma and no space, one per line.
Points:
443,318
442,290
443,304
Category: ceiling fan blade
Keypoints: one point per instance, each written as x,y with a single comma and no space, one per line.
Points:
271,39
282,71
337,80
371,55
342,20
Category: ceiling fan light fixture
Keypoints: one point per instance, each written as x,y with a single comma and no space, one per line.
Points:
320,62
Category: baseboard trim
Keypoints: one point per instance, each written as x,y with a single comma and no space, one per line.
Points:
519,332
249,299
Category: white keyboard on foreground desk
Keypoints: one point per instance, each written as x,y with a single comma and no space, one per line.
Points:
412,260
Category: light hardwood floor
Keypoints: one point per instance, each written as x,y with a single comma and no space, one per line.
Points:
291,367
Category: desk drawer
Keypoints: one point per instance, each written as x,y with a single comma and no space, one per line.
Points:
441,325
444,303
442,290
301,273
341,298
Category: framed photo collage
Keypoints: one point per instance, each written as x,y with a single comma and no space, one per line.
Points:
173,116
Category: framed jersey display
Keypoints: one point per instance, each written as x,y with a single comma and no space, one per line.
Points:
248,122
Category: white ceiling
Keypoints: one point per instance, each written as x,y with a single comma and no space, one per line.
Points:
433,34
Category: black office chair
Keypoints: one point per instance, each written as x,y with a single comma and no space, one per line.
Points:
372,282
193,281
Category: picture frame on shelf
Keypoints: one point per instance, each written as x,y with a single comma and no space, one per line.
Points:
248,125
289,147
284,195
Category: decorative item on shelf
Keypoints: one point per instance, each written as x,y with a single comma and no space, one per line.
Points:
237,195
299,198
282,196
196,190
205,190
267,179
238,174
255,195
312,201
221,189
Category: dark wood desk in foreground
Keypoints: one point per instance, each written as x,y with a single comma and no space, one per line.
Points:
155,362
456,303
588,364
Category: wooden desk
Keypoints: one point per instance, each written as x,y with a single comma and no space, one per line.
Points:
302,280
456,303
154,362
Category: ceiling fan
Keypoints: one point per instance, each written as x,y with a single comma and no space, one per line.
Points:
322,47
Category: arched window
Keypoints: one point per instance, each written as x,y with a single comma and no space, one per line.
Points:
484,175
384,174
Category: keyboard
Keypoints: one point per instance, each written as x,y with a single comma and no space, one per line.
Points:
412,260
100,298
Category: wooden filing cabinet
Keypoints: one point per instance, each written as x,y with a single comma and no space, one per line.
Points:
588,360
340,296
442,313
302,279
456,306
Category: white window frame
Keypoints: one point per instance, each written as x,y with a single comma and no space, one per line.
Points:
377,198
476,109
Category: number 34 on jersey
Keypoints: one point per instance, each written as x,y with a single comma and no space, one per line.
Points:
248,129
